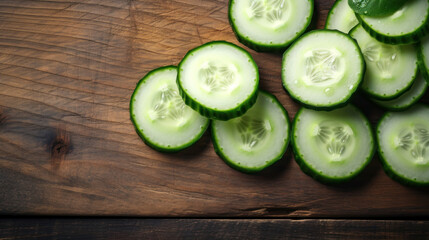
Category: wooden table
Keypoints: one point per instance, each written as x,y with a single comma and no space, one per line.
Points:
68,148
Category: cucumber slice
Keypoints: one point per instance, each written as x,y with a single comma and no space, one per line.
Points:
403,140
255,140
407,99
423,56
406,25
269,25
376,8
219,80
341,17
390,69
159,114
322,69
334,146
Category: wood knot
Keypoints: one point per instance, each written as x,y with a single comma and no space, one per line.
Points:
59,147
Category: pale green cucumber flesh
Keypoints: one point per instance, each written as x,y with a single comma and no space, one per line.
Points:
219,80
159,114
269,25
390,69
407,99
341,17
403,140
322,69
332,146
257,139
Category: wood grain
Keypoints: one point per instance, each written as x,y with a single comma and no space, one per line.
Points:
76,228
67,146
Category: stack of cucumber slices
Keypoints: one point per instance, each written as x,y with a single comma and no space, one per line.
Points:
172,107
377,47
391,35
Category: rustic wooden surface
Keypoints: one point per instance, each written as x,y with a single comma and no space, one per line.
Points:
67,146
66,228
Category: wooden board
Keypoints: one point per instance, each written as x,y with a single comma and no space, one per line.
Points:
67,146
101,228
